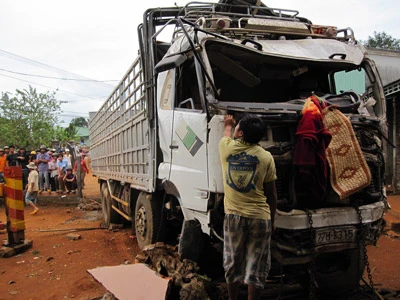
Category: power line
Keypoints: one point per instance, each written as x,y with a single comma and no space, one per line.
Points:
34,62
52,77
69,115
77,113
46,86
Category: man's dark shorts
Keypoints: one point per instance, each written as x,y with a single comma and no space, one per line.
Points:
247,250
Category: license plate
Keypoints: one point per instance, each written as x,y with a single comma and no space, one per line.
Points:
335,235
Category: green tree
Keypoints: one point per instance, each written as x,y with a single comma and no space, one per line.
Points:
72,132
7,132
29,117
65,134
79,122
382,40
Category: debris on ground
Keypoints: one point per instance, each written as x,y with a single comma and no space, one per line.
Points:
388,294
73,236
70,229
89,205
392,234
108,296
115,227
187,282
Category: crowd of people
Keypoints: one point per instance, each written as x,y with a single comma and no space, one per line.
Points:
57,169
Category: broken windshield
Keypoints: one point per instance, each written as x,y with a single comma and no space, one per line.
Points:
255,79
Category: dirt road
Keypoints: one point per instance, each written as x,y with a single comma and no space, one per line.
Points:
55,268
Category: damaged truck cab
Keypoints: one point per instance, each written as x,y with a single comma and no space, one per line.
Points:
155,140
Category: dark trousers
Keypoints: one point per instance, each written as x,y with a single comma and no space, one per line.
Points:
25,174
71,185
54,183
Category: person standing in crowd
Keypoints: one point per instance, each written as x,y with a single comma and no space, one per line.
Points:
42,160
23,160
84,170
68,157
32,156
88,158
250,202
70,181
3,163
53,172
32,188
6,150
62,166
50,152
12,160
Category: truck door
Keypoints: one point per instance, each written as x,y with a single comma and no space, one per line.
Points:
183,135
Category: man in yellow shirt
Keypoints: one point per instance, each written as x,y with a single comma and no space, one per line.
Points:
250,202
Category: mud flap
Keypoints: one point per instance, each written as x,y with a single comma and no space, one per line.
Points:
191,241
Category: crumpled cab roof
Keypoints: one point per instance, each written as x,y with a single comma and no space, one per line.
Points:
322,50
318,50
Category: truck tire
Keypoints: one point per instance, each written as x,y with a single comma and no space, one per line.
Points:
148,220
109,215
191,241
133,224
339,273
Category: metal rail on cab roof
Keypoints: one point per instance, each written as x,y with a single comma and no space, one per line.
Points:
248,20
203,9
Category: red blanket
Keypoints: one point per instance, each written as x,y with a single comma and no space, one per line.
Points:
309,155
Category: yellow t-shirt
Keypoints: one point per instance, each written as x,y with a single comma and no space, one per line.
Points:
245,168
33,177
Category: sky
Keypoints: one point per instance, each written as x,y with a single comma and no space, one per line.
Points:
86,46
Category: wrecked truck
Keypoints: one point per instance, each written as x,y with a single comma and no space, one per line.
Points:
154,142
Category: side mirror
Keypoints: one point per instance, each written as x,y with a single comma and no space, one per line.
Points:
170,62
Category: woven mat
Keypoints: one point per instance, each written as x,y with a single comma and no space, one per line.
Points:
349,171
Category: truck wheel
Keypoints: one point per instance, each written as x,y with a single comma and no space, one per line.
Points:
133,225
148,220
109,215
339,273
